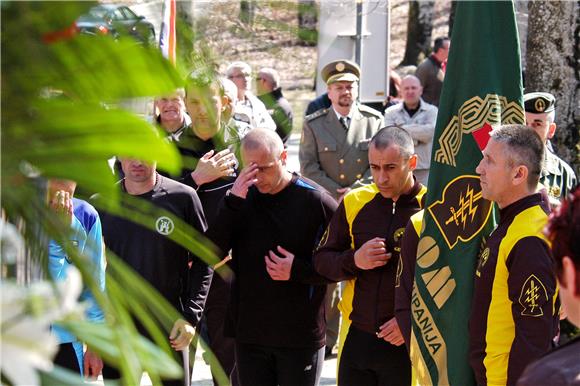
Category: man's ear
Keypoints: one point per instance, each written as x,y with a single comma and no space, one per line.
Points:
226,102
521,175
413,162
284,156
551,130
569,276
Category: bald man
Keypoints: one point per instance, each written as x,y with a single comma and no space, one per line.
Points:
418,118
272,220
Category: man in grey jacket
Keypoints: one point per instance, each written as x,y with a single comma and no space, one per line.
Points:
418,118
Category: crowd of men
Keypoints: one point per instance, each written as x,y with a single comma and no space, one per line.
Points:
352,216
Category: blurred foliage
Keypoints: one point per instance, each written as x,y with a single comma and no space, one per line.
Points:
61,118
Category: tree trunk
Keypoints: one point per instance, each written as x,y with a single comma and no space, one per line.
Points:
419,27
247,11
307,22
553,64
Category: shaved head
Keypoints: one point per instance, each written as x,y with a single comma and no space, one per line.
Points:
411,78
411,91
263,139
263,150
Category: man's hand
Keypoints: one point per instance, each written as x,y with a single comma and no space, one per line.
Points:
246,179
92,365
372,254
61,203
391,333
342,192
181,335
279,268
212,166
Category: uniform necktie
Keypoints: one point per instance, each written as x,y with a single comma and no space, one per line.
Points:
344,121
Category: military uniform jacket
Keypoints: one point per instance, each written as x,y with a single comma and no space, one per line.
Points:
513,312
334,157
557,176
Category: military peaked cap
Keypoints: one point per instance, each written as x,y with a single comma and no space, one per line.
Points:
539,102
340,71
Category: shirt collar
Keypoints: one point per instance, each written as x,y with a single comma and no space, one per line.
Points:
349,116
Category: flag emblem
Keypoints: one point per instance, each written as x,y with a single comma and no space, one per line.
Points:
461,212
474,113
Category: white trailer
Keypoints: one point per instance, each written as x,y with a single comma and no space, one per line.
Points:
358,30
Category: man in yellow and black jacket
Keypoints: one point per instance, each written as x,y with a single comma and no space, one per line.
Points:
362,242
513,314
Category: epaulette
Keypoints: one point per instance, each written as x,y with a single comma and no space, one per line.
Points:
369,110
316,114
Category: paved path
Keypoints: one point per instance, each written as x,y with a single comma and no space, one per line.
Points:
202,374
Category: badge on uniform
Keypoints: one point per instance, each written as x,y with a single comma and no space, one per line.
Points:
533,296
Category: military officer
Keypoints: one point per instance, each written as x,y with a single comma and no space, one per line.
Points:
557,176
335,140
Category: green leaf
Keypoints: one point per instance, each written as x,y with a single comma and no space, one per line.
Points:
100,337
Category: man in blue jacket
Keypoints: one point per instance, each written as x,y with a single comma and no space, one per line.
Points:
86,236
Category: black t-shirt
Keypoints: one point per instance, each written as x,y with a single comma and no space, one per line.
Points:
263,311
150,249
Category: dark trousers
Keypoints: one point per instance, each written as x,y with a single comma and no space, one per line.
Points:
332,314
67,357
367,360
272,366
221,346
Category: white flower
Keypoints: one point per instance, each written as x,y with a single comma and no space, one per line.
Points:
27,344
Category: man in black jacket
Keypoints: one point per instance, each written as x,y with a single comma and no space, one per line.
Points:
272,220
208,146
151,250
363,242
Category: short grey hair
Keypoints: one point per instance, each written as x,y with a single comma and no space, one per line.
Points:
272,76
394,135
242,66
230,89
525,148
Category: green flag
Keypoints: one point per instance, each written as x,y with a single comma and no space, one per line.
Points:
482,88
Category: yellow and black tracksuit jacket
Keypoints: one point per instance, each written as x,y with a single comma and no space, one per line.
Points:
513,313
362,215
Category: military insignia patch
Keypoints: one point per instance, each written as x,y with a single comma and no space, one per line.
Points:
540,105
461,212
399,272
340,67
482,260
533,296
397,237
324,238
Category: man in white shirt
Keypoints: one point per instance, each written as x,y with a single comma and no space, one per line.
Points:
248,107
